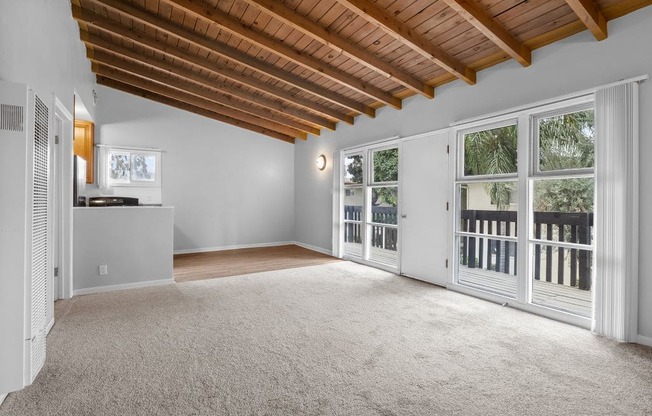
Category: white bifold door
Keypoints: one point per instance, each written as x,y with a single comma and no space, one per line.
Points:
424,208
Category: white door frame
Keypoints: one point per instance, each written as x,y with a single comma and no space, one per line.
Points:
64,158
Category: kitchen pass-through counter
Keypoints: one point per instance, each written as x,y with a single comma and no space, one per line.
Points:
122,247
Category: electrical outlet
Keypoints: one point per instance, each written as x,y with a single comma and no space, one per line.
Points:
104,269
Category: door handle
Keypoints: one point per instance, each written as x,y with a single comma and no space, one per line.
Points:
404,216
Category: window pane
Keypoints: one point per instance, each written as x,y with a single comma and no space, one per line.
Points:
353,169
567,141
353,200
383,247
488,264
384,202
490,152
385,165
562,278
489,208
563,210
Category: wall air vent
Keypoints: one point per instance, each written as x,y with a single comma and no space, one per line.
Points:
11,117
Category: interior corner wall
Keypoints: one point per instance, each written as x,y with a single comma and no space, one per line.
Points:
40,47
229,187
574,64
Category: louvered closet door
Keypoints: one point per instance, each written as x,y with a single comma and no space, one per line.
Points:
40,296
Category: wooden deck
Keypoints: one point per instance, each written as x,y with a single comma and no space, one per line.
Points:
551,295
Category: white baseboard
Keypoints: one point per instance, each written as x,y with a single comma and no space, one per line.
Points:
2,398
234,247
49,326
113,288
313,248
644,340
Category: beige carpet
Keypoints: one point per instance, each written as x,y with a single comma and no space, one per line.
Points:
335,339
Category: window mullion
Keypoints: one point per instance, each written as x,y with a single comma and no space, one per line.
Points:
525,157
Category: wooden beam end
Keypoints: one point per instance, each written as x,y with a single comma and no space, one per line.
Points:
470,76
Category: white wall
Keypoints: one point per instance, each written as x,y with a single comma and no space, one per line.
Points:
40,46
229,186
574,64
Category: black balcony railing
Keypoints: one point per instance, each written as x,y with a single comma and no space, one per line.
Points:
381,236
572,267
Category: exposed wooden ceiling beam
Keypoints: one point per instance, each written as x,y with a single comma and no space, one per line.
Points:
327,37
591,16
170,90
492,30
406,35
242,58
142,39
279,48
111,83
97,42
211,94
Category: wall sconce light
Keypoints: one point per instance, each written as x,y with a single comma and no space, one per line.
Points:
321,162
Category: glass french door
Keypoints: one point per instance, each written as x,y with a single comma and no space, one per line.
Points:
370,205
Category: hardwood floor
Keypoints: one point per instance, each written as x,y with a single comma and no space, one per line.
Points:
198,266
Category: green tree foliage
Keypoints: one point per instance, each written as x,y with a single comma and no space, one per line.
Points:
492,152
566,142
385,169
353,172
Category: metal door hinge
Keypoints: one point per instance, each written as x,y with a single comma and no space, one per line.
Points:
447,263
446,206
448,149
56,272
56,139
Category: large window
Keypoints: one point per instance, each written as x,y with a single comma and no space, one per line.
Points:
561,221
486,226
524,208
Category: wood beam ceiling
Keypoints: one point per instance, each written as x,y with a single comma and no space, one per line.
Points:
408,36
149,42
278,48
340,44
108,71
492,30
230,105
145,93
591,16
156,22
96,42
291,68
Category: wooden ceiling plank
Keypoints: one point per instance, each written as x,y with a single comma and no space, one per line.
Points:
266,119
492,30
234,54
277,47
408,36
108,82
207,81
170,91
591,16
326,36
